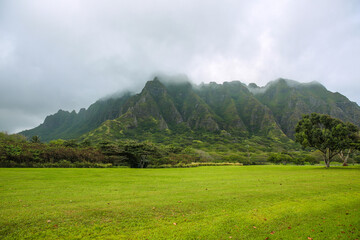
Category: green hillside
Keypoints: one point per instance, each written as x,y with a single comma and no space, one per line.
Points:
69,125
213,117
216,118
289,100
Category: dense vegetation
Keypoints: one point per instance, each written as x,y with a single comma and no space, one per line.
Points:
17,151
250,202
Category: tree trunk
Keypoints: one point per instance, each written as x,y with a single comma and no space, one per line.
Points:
143,161
326,161
327,158
345,158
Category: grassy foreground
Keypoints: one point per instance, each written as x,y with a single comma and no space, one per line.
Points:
250,202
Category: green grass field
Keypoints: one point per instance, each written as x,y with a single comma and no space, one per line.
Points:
249,202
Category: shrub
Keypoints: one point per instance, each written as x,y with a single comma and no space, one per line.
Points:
311,160
298,161
278,158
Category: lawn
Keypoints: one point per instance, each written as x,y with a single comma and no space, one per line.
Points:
232,202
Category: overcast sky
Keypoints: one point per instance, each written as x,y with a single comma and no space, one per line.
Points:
66,54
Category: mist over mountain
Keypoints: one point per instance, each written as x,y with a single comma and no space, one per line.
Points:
165,107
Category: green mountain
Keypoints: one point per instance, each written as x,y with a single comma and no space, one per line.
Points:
289,100
238,110
171,109
177,111
69,125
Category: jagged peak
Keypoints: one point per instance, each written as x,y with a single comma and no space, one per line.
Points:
154,82
288,82
253,85
313,83
168,81
234,83
62,112
210,84
255,89
292,83
154,88
178,79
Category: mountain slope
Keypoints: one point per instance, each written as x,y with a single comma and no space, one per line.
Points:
68,125
166,110
289,100
239,111
157,110
176,108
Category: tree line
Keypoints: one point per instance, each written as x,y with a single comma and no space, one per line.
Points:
17,151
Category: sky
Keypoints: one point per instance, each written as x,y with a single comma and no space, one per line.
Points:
66,54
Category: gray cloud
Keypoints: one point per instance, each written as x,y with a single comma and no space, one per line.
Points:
67,54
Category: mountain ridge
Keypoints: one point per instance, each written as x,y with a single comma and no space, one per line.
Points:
164,107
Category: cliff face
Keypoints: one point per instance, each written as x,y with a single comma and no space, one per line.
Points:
165,107
289,100
68,125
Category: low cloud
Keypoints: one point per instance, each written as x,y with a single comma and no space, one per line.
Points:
67,54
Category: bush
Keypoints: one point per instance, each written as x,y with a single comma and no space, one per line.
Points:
356,159
15,151
298,161
278,158
311,160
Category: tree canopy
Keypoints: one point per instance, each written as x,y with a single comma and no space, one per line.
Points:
328,135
